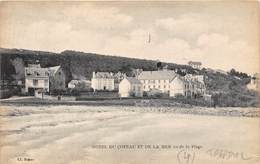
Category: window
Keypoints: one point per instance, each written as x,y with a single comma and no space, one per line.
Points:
164,86
46,82
35,82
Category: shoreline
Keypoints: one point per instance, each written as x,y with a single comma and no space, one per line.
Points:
134,105
142,102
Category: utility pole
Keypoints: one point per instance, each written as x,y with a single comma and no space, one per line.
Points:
149,38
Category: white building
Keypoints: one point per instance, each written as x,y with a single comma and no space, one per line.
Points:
157,80
130,86
167,81
119,76
103,81
73,83
79,84
177,87
39,80
194,64
36,79
254,83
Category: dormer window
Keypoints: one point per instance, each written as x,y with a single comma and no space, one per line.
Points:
36,73
28,73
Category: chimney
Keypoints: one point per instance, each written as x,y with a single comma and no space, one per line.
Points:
94,75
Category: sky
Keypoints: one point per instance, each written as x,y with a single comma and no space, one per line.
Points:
221,35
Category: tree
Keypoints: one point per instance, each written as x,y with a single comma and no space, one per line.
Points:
159,65
7,69
233,72
19,68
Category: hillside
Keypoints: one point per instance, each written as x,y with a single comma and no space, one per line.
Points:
227,90
77,65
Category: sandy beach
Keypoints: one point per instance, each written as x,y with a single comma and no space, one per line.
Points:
124,135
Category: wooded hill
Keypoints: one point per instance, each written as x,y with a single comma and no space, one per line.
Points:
227,89
77,65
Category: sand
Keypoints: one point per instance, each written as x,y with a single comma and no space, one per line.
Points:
124,135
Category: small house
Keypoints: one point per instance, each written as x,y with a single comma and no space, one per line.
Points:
194,64
36,79
130,87
40,80
79,84
254,83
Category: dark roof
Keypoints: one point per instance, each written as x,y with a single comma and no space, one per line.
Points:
53,70
194,62
133,80
36,71
157,75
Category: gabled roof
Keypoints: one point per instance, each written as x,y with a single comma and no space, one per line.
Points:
53,70
157,75
194,63
36,72
194,78
133,80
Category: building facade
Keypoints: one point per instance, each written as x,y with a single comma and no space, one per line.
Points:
57,78
118,77
157,80
194,85
130,87
168,82
177,87
254,83
36,79
103,81
40,80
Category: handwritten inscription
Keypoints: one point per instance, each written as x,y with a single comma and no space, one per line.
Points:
226,154
185,157
186,154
